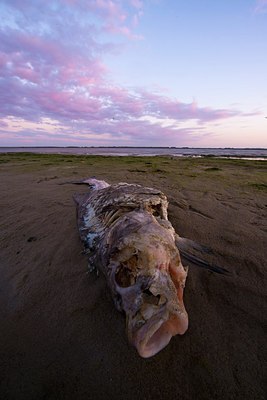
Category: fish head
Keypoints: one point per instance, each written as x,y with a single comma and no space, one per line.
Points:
147,279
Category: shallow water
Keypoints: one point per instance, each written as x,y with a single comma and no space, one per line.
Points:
248,153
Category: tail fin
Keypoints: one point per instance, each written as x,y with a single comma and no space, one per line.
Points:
95,184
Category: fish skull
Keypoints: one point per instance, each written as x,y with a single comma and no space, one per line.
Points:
147,281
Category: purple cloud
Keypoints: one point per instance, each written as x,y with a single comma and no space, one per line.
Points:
50,70
3,124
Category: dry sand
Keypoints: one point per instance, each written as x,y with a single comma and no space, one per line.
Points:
60,335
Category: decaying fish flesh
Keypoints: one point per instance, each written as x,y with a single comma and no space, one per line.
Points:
127,235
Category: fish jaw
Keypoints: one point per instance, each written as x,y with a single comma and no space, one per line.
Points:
147,279
156,333
172,320
154,309
154,313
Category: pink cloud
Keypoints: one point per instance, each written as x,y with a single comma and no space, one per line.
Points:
122,30
47,71
137,4
260,7
109,8
113,14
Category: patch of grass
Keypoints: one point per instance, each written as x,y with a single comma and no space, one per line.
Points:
126,160
259,186
4,161
178,171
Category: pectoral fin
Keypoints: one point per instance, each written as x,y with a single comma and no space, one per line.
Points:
186,248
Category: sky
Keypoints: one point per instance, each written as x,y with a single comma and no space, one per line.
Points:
133,73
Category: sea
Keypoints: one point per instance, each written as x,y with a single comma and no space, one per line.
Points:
245,153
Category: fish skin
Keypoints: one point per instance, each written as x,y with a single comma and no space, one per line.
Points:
127,236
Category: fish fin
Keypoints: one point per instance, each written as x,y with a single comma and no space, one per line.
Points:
81,182
186,246
94,183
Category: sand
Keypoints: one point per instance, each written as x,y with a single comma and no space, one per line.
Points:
60,334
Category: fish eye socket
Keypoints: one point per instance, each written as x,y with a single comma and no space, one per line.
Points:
156,210
124,277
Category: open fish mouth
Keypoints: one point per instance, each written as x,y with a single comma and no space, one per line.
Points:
156,333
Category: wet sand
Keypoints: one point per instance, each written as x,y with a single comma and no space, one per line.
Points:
60,334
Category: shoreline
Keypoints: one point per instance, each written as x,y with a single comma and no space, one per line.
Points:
248,153
110,154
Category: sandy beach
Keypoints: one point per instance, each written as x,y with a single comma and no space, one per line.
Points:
60,334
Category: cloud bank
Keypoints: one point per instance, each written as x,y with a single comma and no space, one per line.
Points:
56,88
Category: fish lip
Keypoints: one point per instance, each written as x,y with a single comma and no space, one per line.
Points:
141,339
145,333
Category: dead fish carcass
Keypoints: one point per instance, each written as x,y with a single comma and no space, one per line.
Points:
127,235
